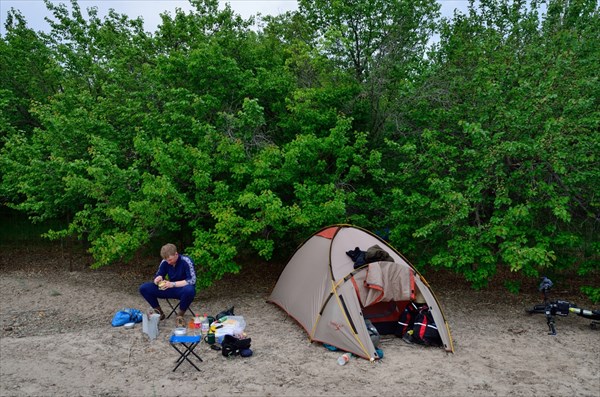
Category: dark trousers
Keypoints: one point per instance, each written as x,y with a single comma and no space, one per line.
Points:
152,294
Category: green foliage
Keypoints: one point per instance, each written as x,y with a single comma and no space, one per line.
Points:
512,286
476,154
489,180
593,293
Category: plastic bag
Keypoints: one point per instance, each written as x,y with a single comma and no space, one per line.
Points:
125,316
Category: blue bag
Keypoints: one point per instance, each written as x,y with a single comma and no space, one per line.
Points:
125,316
330,347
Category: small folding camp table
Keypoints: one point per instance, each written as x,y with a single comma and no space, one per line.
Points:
188,343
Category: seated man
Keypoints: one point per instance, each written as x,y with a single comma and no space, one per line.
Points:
181,284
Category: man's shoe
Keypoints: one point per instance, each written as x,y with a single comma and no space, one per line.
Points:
162,314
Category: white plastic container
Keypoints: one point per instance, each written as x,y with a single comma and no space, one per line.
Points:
180,331
236,324
233,325
150,325
220,334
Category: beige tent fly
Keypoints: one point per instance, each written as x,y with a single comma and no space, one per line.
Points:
329,298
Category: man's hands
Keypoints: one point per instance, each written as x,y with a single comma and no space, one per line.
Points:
163,284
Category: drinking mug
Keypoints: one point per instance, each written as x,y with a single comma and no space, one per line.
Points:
210,339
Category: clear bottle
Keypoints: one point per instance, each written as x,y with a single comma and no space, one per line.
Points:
191,328
344,358
205,324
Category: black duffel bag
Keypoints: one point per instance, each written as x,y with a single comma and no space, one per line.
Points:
232,346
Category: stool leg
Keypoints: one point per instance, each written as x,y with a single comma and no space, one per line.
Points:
180,358
173,308
189,349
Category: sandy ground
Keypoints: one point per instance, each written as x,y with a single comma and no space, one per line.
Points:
57,340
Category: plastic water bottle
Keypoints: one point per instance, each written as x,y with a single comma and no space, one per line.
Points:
344,358
198,324
205,324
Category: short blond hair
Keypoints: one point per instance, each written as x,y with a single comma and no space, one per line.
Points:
168,250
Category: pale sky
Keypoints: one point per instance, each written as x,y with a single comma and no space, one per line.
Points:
34,11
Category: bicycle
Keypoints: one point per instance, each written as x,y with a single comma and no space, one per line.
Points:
560,308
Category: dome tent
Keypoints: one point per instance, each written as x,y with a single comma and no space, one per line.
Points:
330,298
